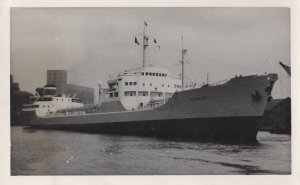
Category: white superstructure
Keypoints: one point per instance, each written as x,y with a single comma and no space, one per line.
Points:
144,87
50,103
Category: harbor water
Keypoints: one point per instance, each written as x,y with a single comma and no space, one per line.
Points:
45,152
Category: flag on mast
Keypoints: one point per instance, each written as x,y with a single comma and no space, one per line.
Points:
136,41
146,38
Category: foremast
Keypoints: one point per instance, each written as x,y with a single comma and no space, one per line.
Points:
145,44
183,52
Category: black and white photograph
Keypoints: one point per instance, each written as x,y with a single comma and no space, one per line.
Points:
150,91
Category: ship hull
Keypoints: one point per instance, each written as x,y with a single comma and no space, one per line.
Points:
237,129
228,112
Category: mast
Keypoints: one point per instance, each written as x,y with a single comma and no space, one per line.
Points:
145,44
207,78
100,92
183,52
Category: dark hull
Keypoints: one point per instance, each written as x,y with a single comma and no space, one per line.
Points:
228,112
237,129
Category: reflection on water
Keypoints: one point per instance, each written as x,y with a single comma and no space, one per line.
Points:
41,152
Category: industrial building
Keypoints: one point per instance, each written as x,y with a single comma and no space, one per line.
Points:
59,79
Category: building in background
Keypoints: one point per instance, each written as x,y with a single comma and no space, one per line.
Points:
59,79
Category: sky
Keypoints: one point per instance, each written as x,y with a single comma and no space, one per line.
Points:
93,44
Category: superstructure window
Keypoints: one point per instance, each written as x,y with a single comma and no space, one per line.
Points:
134,83
150,84
143,93
116,94
156,74
159,74
143,84
156,94
111,95
126,83
30,106
130,83
130,93
44,99
162,85
146,73
143,73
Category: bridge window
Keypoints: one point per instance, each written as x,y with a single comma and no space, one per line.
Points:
134,83
156,74
143,93
156,94
130,93
146,73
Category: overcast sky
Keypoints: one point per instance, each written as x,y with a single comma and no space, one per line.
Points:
93,43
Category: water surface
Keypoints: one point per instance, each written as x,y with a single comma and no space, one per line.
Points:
40,152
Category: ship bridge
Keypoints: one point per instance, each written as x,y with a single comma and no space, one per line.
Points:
139,88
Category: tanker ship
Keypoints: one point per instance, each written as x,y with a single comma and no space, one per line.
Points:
150,101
